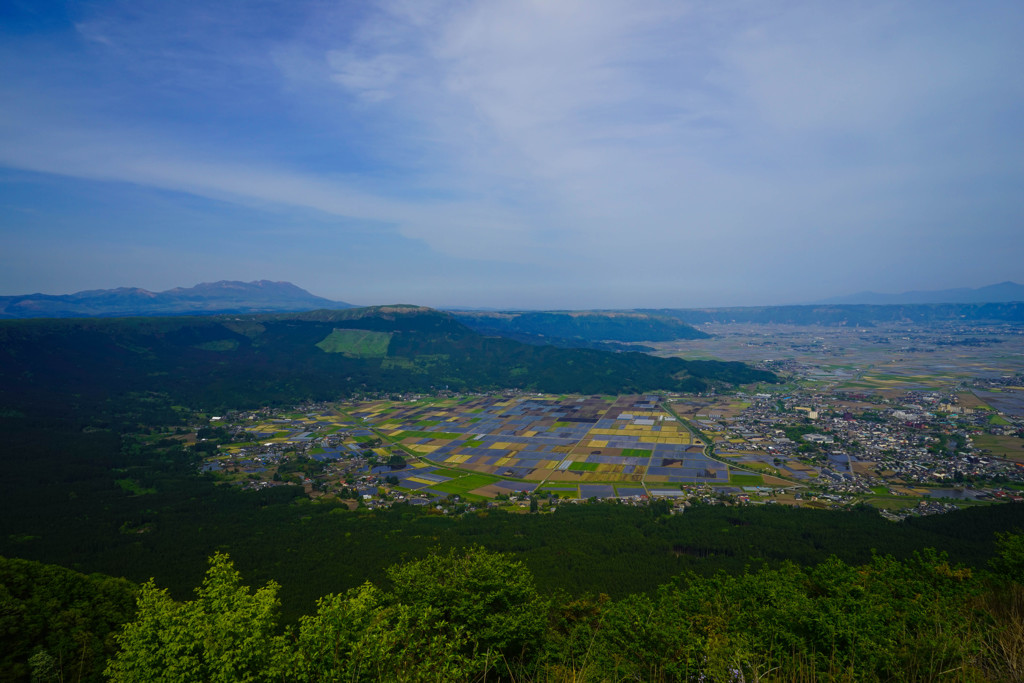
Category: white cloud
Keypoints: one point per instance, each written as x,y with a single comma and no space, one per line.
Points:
581,134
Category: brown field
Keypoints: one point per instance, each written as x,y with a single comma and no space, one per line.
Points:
489,491
969,400
865,468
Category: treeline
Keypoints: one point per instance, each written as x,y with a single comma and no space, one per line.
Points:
474,615
589,326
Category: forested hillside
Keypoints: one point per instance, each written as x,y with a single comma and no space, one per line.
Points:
580,327
476,615
90,366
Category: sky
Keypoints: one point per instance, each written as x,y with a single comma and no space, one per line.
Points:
513,154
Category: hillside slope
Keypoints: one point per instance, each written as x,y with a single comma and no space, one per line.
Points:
103,365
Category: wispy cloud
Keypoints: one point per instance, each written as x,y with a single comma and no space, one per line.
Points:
793,142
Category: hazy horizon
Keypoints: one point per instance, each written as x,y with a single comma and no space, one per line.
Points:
513,155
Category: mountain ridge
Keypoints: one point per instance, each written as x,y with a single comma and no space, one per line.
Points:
206,298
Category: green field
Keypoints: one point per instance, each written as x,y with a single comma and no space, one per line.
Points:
746,479
356,343
464,484
635,453
583,466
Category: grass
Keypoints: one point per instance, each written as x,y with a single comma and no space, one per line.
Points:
464,484
746,479
356,343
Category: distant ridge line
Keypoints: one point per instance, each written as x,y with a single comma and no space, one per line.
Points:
206,298
1003,292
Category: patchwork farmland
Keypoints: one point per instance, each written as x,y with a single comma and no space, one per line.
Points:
575,446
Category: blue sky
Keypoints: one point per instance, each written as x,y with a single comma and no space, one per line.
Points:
533,154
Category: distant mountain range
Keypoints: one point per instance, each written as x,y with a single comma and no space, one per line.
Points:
1000,293
226,296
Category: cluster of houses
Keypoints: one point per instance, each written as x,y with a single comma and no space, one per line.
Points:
922,438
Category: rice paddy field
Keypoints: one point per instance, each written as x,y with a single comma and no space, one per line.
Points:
574,446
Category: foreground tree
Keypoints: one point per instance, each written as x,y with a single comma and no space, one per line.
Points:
57,624
456,616
225,635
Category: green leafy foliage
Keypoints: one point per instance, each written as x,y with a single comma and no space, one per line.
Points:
225,635
57,624
449,616
887,620
492,596
475,615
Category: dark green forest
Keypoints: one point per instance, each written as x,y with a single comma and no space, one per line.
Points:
131,368
568,328
473,615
